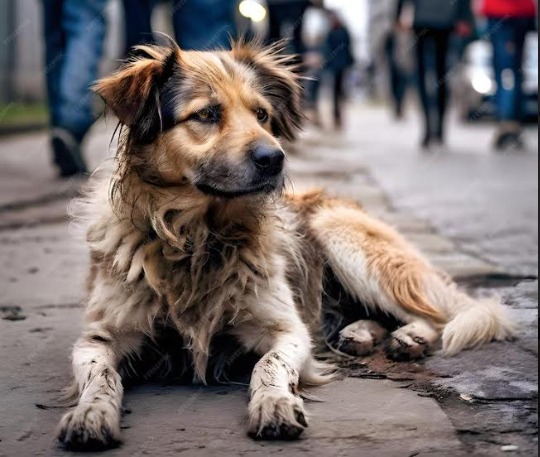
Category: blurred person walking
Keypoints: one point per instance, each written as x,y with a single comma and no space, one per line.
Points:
390,46
314,35
433,22
509,21
339,58
74,31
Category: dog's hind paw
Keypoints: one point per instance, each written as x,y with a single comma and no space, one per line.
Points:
275,416
360,338
91,427
411,342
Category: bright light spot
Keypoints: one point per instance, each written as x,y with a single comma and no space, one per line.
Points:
252,10
482,83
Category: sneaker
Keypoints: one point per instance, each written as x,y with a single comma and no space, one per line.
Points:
509,141
67,154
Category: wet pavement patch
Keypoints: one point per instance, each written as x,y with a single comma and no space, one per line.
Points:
12,313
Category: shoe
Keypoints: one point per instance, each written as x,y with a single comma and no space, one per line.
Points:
509,141
426,142
67,154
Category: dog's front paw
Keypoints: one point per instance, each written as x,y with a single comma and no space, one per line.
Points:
276,416
90,427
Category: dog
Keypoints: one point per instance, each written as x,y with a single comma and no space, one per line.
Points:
192,228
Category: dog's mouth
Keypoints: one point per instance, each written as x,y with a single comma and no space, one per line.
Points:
215,191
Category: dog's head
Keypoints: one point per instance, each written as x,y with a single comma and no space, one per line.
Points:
212,120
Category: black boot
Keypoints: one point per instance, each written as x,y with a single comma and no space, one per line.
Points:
67,153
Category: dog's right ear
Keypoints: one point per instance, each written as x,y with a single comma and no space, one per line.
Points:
133,92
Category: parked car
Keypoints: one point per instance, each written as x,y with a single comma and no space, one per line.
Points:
476,85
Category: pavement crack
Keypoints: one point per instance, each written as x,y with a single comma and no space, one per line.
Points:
495,280
62,194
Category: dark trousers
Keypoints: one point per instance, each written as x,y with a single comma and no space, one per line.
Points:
432,55
398,78
508,38
339,95
137,23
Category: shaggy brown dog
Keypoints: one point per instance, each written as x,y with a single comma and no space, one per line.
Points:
191,230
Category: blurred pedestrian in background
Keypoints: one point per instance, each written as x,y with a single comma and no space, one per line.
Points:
339,58
433,22
390,46
315,28
198,24
509,21
74,31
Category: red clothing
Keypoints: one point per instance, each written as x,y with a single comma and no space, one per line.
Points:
509,8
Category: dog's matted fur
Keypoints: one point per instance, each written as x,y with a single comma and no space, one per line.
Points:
192,231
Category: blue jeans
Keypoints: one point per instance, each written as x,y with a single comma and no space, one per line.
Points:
198,24
204,24
508,38
74,34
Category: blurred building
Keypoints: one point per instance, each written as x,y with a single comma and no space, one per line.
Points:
20,52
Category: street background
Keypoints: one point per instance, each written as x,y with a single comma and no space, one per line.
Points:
471,210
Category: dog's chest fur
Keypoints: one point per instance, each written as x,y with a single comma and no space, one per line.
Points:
205,278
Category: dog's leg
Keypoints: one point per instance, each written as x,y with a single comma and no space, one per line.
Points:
95,422
360,338
117,318
276,412
380,269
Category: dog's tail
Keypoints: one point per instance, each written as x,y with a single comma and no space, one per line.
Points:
471,322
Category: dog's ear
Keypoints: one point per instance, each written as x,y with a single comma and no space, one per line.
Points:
279,81
133,92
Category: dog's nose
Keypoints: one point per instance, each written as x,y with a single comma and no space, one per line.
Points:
268,159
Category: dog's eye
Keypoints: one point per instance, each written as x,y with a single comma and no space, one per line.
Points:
208,115
262,115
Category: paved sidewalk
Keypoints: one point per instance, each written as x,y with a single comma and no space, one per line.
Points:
471,405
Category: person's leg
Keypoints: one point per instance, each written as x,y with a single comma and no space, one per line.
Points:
84,24
339,96
423,41
54,54
442,42
520,28
508,38
85,32
395,75
204,24
137,23
274,23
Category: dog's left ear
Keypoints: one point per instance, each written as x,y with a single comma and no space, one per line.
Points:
133,92
279,82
